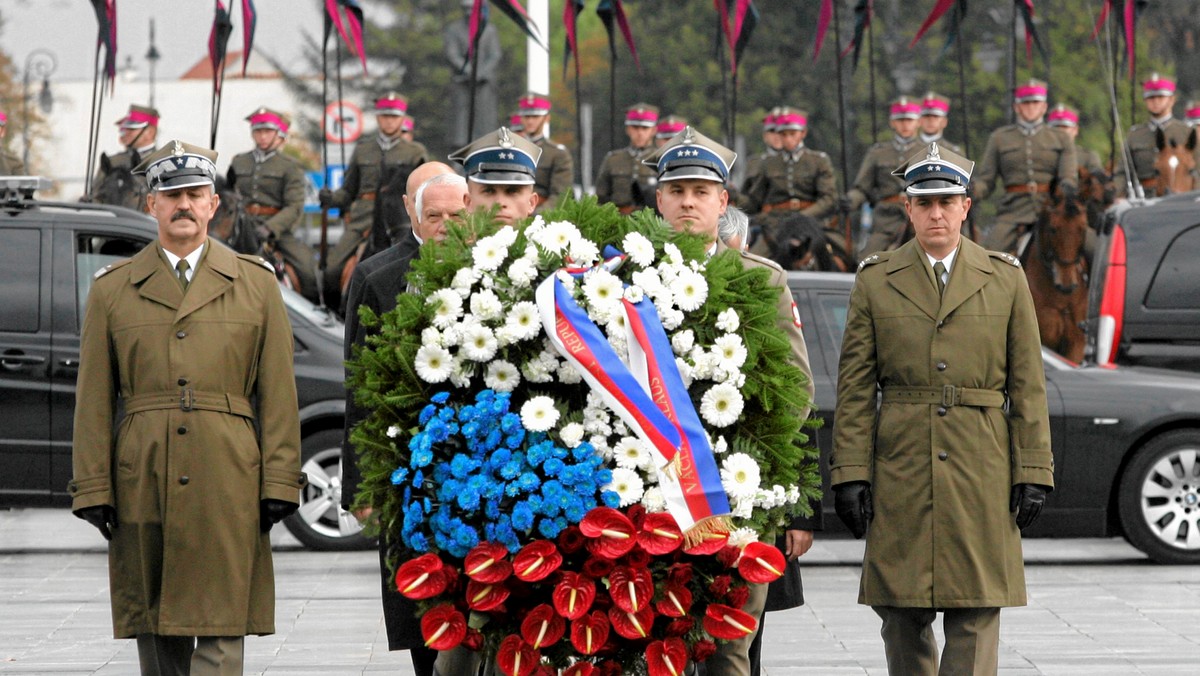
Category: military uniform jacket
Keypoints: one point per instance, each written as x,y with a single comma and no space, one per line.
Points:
875,183
942,536
555,172
186,468
625,181
1018,157
1086,158
1142,143
365,172
276,182
804,174
11,165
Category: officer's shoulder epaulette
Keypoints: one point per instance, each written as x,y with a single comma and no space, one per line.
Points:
873,259
559,146
821,153
110,267
257,260
1006,257
761,261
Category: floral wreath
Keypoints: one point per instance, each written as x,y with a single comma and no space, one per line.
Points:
580,431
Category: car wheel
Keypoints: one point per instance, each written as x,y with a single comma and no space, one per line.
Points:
1159,499
321,523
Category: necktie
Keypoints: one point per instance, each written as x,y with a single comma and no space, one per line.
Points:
181,269
939,269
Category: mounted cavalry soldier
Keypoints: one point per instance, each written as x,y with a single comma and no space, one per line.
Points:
935,115
623,179
138,133
877,185
1066,118
1142,144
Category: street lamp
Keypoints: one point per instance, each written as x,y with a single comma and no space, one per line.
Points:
41,64
152,56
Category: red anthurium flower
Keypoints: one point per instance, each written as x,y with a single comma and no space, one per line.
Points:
710,543
488,562
738,596
631,588
660,534
443,627
589,633
675,601
721,621
667,657
570,540
679,573
704,649
484,597
473,640
516,657
679,627
597,567
611,534
633,626
421,578
543,627
580,669
573,595
545,670
536,561
761,563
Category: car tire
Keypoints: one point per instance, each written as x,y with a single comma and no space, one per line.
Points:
321,523
1159,498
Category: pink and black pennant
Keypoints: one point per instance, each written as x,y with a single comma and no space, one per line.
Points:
608,11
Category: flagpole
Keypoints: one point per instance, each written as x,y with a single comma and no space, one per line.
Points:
474,79
871,73
612,91
1012,66
845,213
962,96
94,130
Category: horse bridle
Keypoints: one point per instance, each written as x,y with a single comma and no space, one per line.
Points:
1050,258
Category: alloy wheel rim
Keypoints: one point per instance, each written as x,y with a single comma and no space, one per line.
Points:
321,500
1170,499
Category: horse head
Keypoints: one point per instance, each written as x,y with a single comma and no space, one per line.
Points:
119,186
1175,164
1061,231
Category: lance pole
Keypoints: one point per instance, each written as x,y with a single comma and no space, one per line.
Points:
94,131
845,213
871,72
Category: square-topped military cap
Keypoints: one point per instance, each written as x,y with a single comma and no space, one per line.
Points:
533,103
934,170
391,103
265,118
641,115
1031,91
670,126
500,157
179,165
690,154
139,117
791,119
904,108
1157,85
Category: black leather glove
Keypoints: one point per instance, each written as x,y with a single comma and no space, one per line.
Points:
1026,502
325,197
272,511
852,502
845,204
103,517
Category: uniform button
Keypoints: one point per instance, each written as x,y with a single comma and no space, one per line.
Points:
181,334
182,429
942,412
182,382
941,366
941,456
941,323
183,480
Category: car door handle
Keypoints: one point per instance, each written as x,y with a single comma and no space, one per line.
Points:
16,362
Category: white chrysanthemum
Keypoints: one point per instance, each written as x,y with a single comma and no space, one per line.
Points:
673,254
433,363
634,294
464,279
506,235
452,335
538,414
489,252
583,252
730,351
653,500
485,305
431,336
479,343
600,443
650,283
447,307
639,248
568,374
461,372
720,446
728,320
524,321
502,376
627,484
629,453
690,290
571,434
603,291
535,226
740,476
671,318
685,371
535,372
556,236
703,363
619,426
741,537
683,341
597,427
393,431
721,405
522,272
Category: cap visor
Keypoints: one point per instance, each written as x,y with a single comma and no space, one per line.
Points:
936,187
690,171
502,178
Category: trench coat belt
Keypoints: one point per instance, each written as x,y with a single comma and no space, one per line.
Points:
367,195
1030,187
947,395
793,204
187,399
261,210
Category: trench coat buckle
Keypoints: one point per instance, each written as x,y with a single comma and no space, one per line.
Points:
187,399
951,395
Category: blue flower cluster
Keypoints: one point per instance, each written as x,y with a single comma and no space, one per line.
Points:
475,474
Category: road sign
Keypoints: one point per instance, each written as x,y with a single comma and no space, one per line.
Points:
343,122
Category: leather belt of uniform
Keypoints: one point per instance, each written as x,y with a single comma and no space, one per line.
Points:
367,195
627,209
947,395
187,399
893,199
1029,187
794,204
261,210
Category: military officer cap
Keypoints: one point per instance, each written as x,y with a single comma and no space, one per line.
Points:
514,122
670,126
787,119
532,103
139,117
179,165
3,118
690,154
406,124
265,118
1157,85
1191,113
933,170
935,104
1063,116
641,115
1031,90
500,157
769,119
391,103
904,108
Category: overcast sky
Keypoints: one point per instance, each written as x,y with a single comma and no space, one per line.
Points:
67,28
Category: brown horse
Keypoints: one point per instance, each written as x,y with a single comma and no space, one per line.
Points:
1057,271
1175,164
1096,192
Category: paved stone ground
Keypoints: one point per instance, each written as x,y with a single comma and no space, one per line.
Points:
1097,608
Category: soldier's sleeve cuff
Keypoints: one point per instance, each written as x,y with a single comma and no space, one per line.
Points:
283,485
1034,466
848,473
89,492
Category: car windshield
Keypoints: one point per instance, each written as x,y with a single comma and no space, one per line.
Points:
315,314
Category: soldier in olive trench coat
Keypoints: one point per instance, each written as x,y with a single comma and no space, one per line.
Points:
209,442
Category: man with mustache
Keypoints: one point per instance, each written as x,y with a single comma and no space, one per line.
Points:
193,343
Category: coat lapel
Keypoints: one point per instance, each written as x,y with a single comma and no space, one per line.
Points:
214,276
972,270
155,281
907,274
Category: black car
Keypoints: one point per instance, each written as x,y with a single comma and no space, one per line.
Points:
1126,440
1144,292
48,254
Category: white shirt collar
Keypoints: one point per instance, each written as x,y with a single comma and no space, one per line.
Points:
948,261
193,260
930,138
